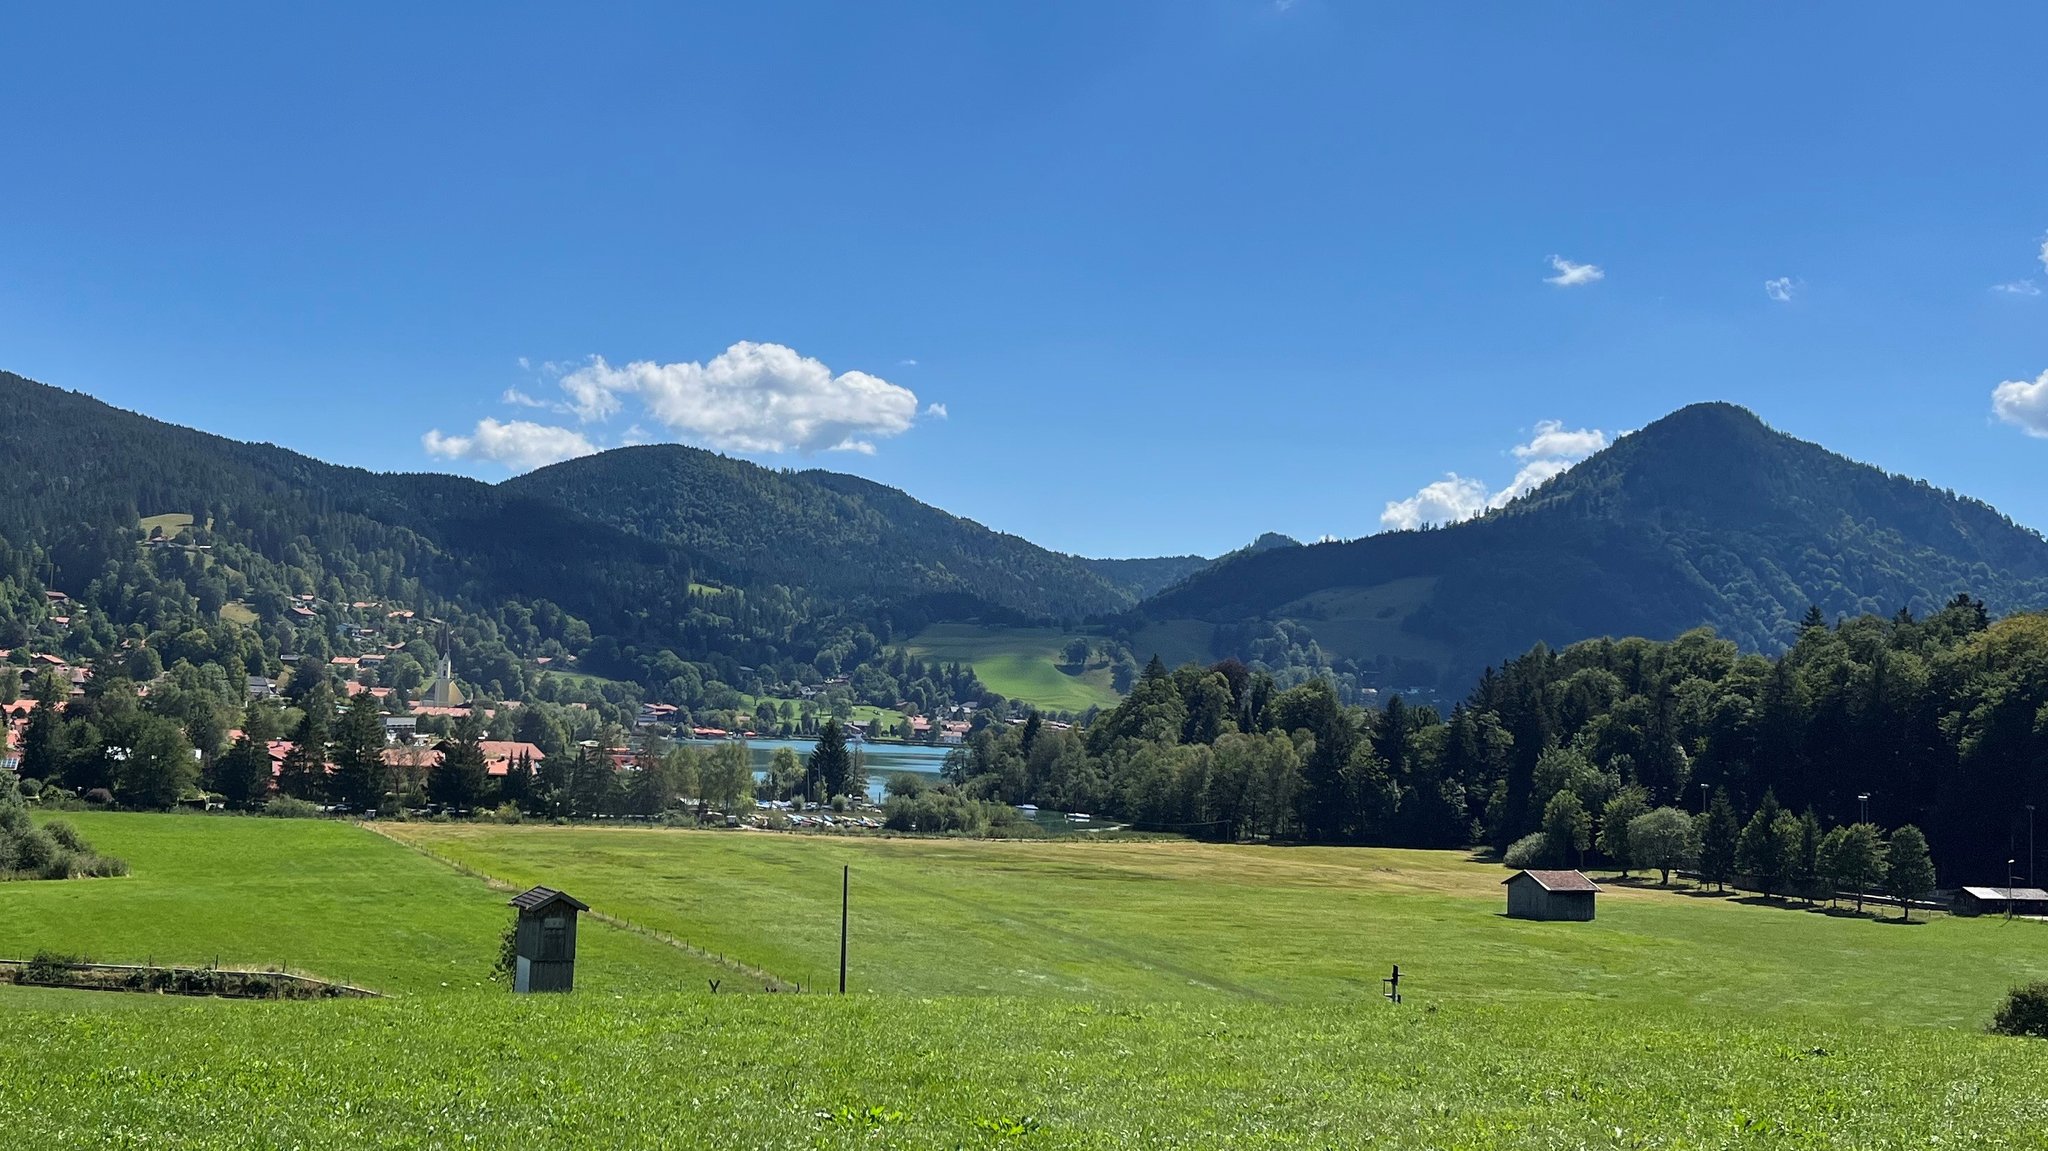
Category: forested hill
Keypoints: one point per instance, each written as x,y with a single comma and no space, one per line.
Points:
826,532
687,572
1148,576
1707,516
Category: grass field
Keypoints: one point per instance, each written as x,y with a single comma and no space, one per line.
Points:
1028,994
872,1072
172,524
330,899
1213,923
1020,663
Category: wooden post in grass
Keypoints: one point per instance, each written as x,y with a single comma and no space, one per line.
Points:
1393,983
845,890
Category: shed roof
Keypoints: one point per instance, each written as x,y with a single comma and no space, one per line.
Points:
536,898
2001,894
1556,880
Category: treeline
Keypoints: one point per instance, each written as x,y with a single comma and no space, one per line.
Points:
1935,720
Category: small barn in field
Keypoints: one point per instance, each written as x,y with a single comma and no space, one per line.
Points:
544,940
1550,895
1994,900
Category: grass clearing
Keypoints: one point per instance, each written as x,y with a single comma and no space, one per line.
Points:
172,523
1214,923
1020,663
330,899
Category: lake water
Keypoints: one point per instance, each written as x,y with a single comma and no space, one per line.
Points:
882,759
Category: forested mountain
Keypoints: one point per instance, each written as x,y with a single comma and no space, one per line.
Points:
1706,517
1148,576
831,534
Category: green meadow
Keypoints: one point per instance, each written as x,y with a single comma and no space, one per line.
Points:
1215,923
1076,993
1020,663
324,898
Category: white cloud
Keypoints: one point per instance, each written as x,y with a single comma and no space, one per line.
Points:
519,444
2018,288
1551,451
2023,405
906,363
1553,441
2044,253
1781,289
1446,501
935,411
520,399
751,398
1570,275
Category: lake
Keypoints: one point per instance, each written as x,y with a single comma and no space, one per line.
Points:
881,759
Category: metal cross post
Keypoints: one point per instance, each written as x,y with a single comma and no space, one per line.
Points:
1393,984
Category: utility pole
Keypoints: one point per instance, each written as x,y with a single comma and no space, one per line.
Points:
1863,806
1703,799
2008,890
845,889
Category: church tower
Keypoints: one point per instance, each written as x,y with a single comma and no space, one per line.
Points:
443,692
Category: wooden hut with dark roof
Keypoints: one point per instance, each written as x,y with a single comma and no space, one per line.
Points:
544,940
1552,895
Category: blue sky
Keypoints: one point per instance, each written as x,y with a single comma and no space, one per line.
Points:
1174,273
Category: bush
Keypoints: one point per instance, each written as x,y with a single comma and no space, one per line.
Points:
508,813
285,807
1532,850
48,967
31,788
102,866
100,797
35,851
67,836
2024,1013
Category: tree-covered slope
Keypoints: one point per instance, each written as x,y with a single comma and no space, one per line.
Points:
1705,517
823,531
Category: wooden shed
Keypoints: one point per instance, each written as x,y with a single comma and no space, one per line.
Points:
1994,901
544,942
1550,895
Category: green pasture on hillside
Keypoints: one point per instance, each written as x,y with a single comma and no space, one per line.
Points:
329,899
1019,663
1215,923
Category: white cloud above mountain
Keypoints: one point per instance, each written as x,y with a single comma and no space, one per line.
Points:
2023,405
1550,451
520,445
753,397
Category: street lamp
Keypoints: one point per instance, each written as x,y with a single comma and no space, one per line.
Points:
1703,799
1863,802
2008,890
2031,881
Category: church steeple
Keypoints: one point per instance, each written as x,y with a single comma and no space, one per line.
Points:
443,692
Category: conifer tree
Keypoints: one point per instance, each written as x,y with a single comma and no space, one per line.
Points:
303,774
1718,836
461,777
830,765
359,771
1766,848
243,774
